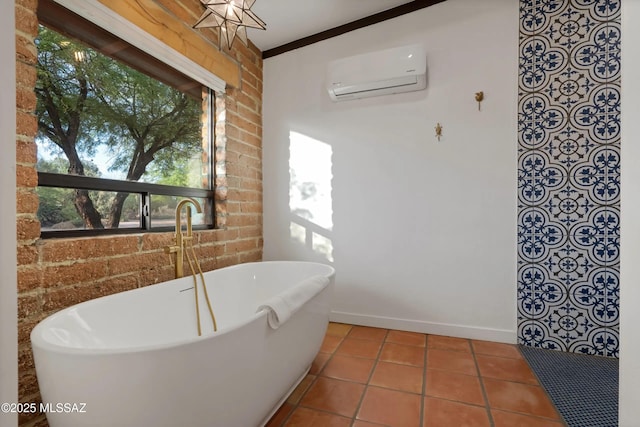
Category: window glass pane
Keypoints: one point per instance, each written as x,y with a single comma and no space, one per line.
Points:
58,209
98,117
163,211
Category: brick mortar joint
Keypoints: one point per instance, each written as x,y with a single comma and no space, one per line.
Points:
21,268
242,190
249,78
29,64
25,138
37,292
22,33
248,156
241,141
252,109
25,88
99,258
27,243
65,263
28,166
246,120
230,153
66,287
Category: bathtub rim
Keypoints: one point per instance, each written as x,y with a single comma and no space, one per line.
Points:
37,340
41,343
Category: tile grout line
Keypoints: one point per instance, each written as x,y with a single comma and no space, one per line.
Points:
297,404
366,385
333,353
317,375
484,392
423,397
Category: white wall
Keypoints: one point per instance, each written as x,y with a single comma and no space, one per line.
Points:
423,231
630,225
8,288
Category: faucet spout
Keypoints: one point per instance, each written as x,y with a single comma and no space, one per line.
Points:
181,204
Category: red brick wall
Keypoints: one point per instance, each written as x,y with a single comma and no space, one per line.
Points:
56,273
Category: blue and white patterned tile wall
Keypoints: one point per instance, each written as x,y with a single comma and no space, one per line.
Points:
569,175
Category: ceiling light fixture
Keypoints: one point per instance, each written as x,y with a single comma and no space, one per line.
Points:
232,17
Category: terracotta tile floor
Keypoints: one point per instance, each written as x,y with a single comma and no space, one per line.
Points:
368,377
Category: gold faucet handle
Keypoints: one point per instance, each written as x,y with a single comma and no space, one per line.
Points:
170,249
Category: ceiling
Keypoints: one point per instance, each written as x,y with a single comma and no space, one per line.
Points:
290,20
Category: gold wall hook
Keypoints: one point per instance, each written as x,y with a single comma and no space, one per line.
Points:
479,98
438,131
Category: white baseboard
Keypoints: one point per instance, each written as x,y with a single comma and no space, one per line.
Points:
450,330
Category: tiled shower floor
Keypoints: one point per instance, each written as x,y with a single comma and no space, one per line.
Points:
583,388
366,377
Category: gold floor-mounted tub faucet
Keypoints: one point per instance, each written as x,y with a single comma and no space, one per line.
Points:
182,243
181,239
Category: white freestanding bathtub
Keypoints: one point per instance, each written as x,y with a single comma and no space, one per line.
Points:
135,359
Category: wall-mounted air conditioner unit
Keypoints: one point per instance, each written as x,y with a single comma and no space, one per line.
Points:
402,69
